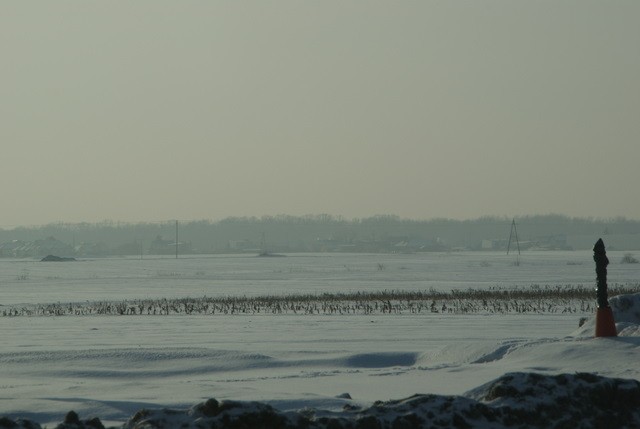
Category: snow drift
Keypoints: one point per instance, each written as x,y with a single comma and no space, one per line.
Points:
626,313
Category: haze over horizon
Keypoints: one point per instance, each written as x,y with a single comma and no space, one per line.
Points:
523,219
160,110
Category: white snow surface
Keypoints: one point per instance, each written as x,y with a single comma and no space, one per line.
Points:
113,366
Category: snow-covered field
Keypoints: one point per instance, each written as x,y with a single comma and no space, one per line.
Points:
113,366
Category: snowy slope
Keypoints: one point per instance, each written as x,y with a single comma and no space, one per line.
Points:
302,368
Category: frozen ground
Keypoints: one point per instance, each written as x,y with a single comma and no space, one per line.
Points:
111,367
107,279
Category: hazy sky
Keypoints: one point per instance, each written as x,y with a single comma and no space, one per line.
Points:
154,110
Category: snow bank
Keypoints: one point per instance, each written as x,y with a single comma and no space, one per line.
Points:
626,313
516,399
534,400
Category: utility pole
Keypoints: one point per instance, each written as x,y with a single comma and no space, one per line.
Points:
176,239
514,231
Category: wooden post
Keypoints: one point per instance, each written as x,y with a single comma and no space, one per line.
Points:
605,324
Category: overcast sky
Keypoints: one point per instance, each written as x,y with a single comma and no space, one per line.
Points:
156,110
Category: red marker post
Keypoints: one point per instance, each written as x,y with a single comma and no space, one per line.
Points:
605,325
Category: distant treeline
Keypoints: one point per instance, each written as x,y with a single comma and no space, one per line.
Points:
321,233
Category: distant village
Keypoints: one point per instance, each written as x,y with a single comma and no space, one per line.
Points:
383,243
318,233
52,246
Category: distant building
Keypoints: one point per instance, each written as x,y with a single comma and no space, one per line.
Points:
52,246
241,245
35,249
612,241
159,246
495,244
11,249
91,249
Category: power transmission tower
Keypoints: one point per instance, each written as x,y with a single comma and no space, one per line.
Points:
514,231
